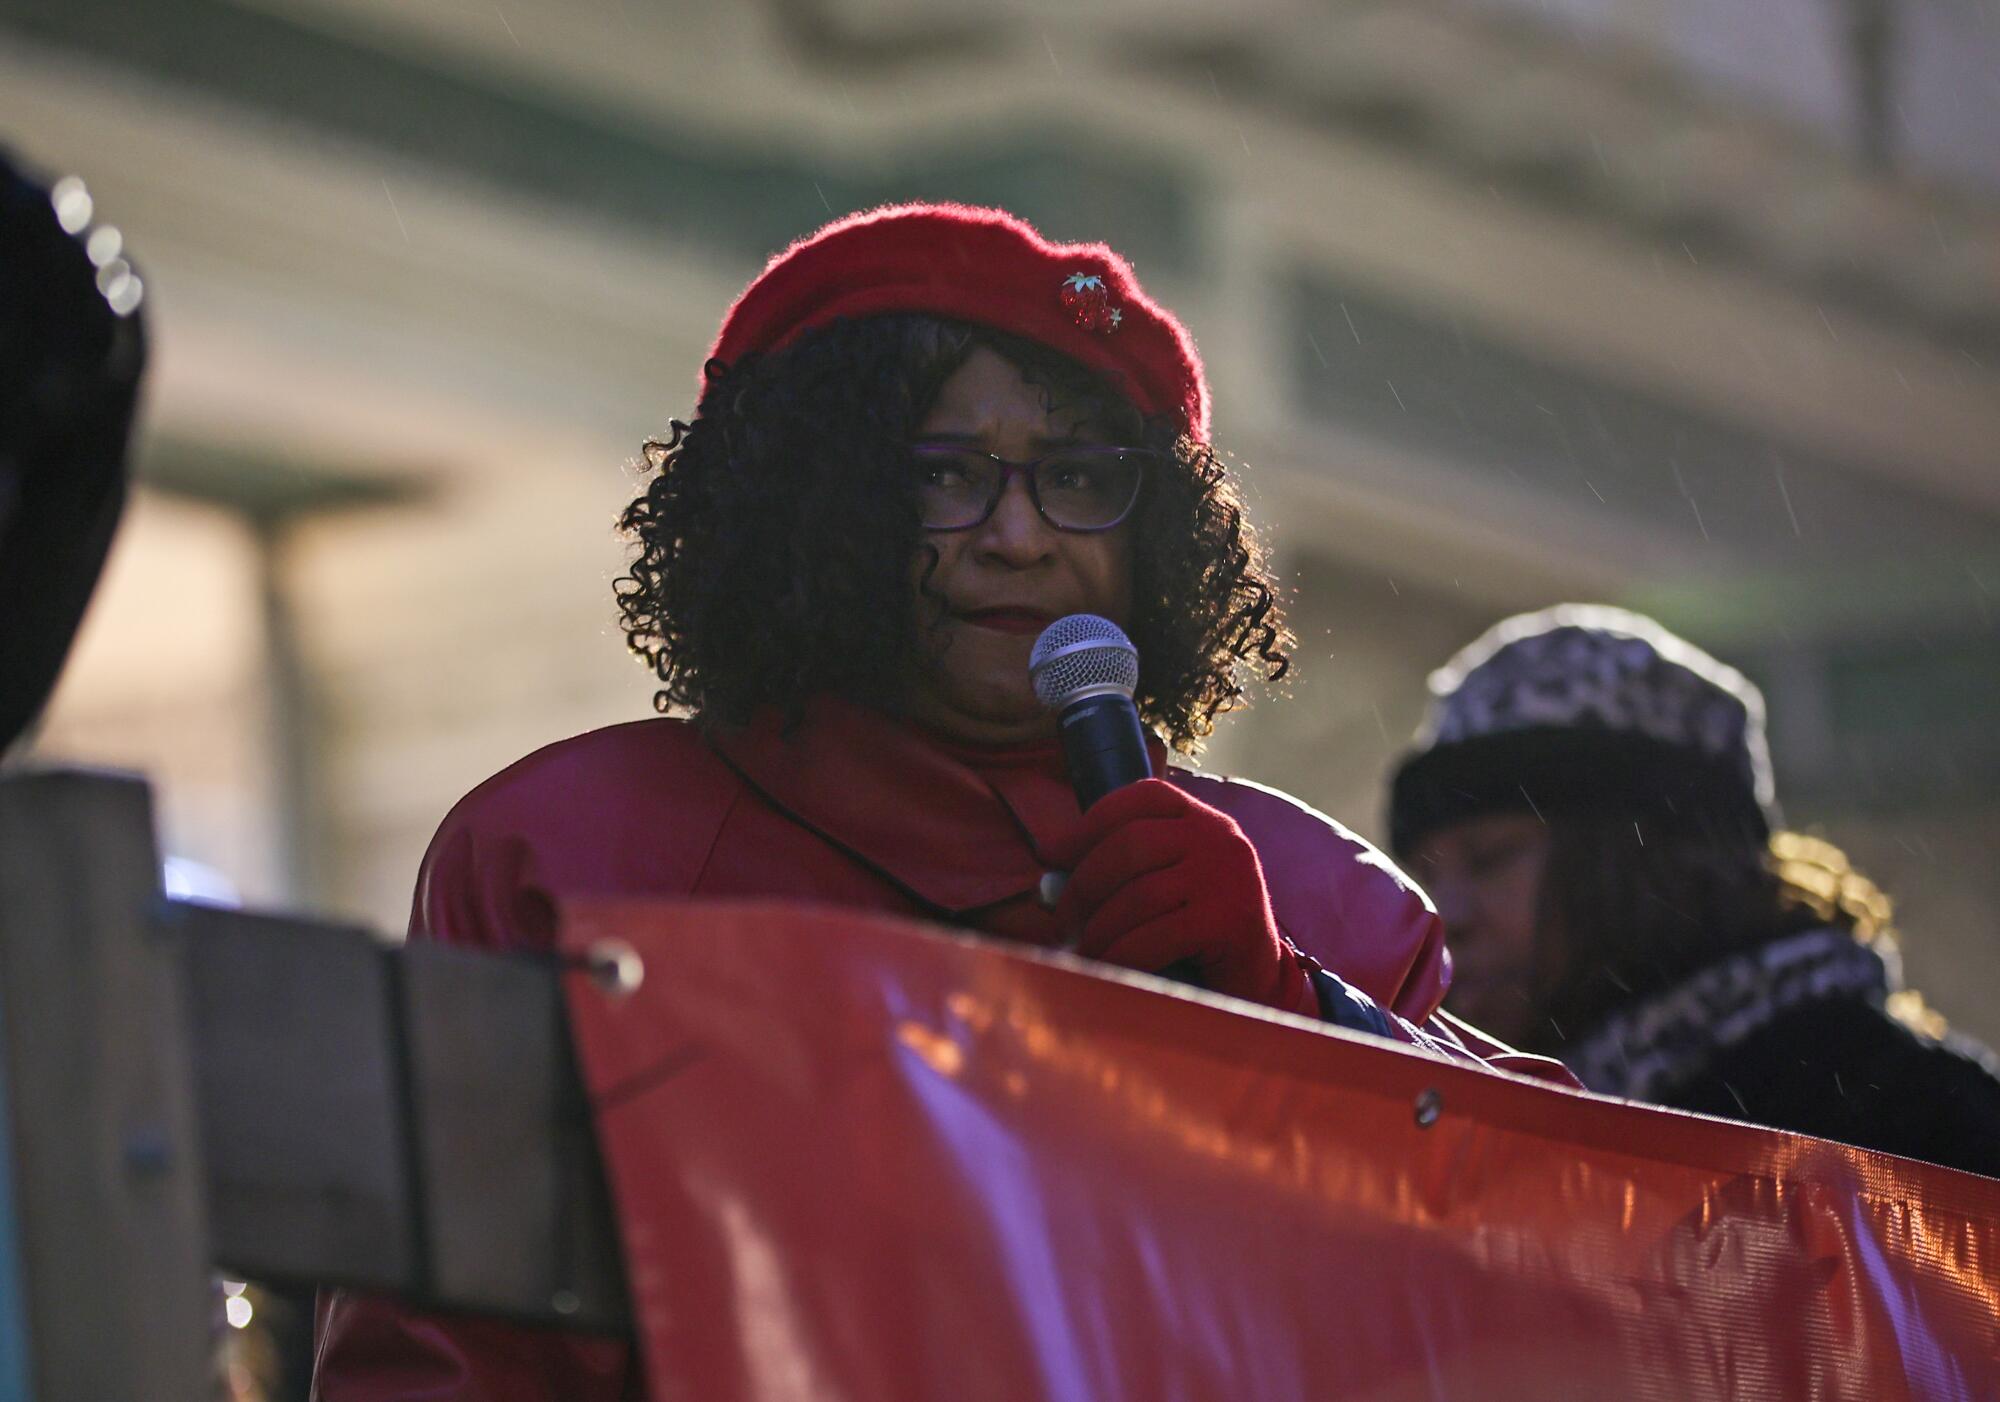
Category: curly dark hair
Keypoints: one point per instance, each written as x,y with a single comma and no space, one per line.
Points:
776,533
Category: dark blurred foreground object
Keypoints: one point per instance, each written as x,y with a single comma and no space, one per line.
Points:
1591,805
71,351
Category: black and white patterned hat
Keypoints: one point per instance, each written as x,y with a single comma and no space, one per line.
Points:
1584,707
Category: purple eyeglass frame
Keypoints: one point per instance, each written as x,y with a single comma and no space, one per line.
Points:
1025,470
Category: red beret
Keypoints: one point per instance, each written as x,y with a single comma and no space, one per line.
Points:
984,266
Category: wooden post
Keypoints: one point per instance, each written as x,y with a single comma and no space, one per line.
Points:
106,1172
503,1135
405,1120
300,1091
183,1086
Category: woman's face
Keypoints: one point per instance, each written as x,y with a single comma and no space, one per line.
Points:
1002,582
1485,874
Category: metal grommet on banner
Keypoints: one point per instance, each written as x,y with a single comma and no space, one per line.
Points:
1430,1104
615,967
1050,888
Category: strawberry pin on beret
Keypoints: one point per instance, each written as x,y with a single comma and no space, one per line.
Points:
984,266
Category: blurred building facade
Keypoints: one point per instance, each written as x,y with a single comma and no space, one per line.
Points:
1684,305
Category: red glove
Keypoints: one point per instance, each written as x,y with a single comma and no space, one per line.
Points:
1159,879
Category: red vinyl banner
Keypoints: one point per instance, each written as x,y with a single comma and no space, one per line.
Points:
856,1158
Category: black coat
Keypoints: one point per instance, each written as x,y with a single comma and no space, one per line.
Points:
1843,1069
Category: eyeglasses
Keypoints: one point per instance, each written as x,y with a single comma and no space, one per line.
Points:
1085,488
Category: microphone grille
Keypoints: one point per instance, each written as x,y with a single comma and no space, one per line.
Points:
1079,654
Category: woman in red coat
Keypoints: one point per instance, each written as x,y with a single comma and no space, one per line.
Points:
924,434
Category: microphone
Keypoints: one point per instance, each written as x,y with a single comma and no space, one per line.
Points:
1085,669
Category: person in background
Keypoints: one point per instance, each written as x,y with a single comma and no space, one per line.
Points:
1590,803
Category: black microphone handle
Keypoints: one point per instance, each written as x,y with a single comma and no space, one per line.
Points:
1106,749
1103,745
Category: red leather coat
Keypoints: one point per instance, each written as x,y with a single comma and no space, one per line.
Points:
849,808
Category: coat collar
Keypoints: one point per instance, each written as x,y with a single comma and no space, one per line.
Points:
958,828
1652,1047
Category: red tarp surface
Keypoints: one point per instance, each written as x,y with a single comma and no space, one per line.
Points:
856,1158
